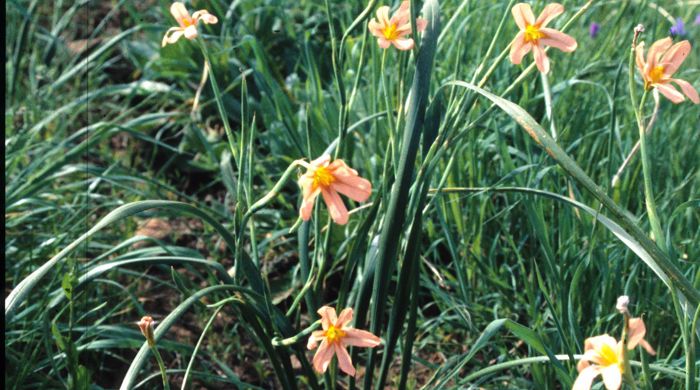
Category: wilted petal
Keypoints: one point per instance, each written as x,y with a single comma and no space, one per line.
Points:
172,35
558,39
670,92
179,12
522,13
421,24
335,205
585,378
519,48
550,12
403,43
323,357
322,161
360,338
639,51
541,59
637,330
612,377
674,57
307,204
344,360
205,16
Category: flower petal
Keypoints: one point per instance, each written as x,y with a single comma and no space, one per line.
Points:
639,51
518,48
344,360
655,51
322,161
421,24
637,330
383,15
612,377
541,59
674,57
328,316
172,35
344,318
179,12
670,92
375,28
688,90
403,43
522,13
205,17
383,43
323,357
360,338
316,336
191,32
585,378
308,196
558,39
549,12
335,205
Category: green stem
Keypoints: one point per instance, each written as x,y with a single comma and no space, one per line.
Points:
389,109
161,365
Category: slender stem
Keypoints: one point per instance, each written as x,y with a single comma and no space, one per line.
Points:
161,365
389,108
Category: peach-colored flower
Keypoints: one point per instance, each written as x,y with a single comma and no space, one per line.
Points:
607,357
335,337
535,35
663,60
188,24
328,179
146,326
394,31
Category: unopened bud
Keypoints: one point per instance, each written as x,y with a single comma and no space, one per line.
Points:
637,30
146,326
622,303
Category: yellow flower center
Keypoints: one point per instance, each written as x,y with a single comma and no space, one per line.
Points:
609,357
334,334
390,32
188,22
533,33
322,177
656,74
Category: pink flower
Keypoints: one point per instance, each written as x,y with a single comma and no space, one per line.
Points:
329,179
188,24
394,31
663,60
534,35
335,337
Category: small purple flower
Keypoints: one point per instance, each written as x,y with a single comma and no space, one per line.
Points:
594,29
678,29
697,20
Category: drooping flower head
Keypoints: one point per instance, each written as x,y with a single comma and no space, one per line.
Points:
662,61
394,31
187,24
336,336
678,29
535,35
594,29
331,179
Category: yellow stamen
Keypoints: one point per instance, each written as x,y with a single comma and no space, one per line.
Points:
390,32
322,177
533,33
188,22
334,334
656,74
608,356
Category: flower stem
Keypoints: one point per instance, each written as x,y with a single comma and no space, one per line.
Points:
161,365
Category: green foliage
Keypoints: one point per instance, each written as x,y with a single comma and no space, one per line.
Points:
137,185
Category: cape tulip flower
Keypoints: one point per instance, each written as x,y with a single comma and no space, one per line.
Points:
662,61
331,179
535,35
335,337
187,24
394,31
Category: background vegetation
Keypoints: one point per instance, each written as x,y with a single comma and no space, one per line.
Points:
99,116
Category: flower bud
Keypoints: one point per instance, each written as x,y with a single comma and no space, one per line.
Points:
146,326
622,303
